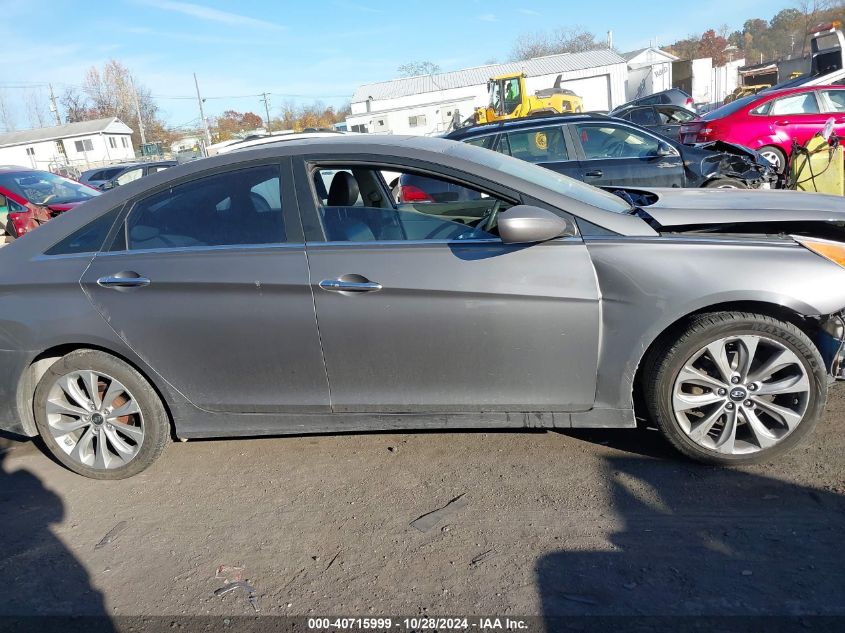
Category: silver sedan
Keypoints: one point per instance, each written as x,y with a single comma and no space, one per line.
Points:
296,288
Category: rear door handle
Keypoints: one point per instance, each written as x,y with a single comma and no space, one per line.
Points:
595,173
124,279
338,285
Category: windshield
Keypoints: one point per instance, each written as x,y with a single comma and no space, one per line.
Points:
730,108
42,187
541,177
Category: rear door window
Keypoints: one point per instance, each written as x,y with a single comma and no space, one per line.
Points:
642,116
240,207
544,145
795,104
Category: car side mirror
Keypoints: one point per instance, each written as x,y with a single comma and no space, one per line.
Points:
664,149
3,202
524,224
109,184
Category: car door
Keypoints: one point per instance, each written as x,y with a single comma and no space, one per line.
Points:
796,116
207,280
422,309
547,146
613,153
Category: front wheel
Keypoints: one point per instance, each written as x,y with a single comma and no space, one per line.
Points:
99,417
736,388
775,156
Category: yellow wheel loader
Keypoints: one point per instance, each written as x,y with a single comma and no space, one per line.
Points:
508,99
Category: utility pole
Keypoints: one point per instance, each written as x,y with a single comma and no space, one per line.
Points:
53,107
138,112
202,114
266,101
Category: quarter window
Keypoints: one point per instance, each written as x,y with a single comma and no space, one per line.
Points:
88,239
239,207
610,141
356,206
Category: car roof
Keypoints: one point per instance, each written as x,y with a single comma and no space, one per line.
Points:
515,124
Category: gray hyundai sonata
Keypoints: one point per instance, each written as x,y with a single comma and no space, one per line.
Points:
288,289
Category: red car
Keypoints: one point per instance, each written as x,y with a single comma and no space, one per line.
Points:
29,197
768,121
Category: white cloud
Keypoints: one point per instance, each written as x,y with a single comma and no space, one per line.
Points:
212,15
488,17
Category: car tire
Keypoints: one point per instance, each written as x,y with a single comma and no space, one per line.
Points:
774,155
681,371
725,183
76,427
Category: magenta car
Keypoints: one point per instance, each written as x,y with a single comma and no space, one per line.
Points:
769,121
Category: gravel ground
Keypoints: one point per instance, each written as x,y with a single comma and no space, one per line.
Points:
540,523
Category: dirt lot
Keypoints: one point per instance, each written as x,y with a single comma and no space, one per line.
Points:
543,523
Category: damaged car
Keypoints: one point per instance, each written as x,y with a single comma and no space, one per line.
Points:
31,197
605,151
285,290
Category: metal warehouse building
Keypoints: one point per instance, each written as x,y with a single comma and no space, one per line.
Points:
425,104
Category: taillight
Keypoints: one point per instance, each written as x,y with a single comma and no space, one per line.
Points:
20,222
410,193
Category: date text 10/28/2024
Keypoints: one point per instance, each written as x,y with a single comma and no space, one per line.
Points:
418,624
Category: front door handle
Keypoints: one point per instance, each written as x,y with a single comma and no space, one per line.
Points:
784,122
595,173
340,285
123,280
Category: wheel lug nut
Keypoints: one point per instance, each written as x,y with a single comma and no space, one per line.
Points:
752,387
748,403
722,391
729,406
735,379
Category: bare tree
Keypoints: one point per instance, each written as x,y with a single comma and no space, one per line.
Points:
112,91
412,69
563,40
37,114
7,117
76,106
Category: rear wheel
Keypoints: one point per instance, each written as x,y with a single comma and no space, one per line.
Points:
775,156
725,183
99,417
736,388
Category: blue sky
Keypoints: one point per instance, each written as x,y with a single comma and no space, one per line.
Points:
306,50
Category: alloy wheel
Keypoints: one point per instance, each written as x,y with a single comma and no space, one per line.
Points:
95,419
741,394
774,158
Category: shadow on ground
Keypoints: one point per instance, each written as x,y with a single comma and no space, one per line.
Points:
701,541
41,577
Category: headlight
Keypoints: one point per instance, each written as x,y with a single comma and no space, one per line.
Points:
834,251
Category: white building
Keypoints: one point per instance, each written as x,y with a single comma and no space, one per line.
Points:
425,104
82,145
649,71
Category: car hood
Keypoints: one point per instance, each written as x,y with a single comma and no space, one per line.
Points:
684,207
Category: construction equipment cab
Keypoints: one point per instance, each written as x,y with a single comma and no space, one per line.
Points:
508,100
